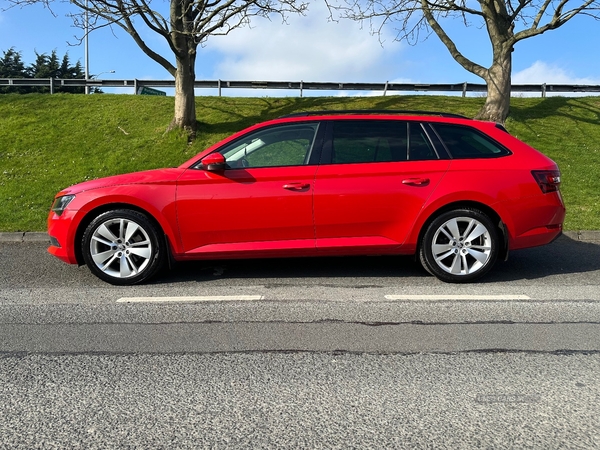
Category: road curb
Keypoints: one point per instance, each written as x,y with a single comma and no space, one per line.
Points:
585,236
31,236
20,236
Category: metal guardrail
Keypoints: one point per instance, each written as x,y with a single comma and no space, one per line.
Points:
54,83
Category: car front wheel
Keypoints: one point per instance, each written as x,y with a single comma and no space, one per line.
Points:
460,245
123,247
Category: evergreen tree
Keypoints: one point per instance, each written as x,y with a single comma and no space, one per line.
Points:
11,66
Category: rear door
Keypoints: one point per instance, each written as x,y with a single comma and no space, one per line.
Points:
375,177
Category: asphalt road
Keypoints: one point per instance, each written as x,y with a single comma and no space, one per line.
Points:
300,400
542,299
302,353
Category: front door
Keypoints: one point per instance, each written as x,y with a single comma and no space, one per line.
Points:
261,203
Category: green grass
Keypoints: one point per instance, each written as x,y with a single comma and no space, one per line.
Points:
48,142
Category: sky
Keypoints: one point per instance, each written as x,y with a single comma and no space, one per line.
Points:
308,48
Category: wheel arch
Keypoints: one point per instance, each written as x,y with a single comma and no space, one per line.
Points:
487,210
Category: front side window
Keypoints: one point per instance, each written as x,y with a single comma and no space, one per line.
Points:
284,145
465,142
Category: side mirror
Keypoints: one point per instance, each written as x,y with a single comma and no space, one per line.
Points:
215,162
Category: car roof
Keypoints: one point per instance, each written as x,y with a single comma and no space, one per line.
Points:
386,114
361,112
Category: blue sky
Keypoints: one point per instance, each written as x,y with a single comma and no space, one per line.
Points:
309,48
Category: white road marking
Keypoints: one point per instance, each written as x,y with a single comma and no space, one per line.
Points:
235,298
458,297
202,298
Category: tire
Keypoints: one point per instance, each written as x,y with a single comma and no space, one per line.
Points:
460,246
123,247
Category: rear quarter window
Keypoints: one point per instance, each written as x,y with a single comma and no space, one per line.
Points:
465,142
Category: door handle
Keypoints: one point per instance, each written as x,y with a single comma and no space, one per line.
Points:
296,186
416,181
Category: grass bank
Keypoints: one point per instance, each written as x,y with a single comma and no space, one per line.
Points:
48,142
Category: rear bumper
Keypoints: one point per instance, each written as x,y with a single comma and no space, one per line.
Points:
539,222
536,237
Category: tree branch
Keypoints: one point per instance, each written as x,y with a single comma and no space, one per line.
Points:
456,54
558,19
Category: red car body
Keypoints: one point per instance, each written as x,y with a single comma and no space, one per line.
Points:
321,207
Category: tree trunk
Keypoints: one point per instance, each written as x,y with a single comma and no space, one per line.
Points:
498,80
185,98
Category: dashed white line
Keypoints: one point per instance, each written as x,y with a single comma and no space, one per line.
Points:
250,298
458,297
202,298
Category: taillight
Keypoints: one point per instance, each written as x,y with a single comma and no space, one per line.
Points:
548,180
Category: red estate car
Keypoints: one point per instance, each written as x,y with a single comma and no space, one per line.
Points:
458,193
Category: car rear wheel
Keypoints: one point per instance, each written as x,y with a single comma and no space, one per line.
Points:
460,245
123,247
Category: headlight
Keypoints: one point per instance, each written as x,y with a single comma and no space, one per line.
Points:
61,203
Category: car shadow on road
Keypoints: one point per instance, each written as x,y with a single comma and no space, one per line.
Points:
287,268
562,257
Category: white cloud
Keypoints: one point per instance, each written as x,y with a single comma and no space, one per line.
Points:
540,72
308,48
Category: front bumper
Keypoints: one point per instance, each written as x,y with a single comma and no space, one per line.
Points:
62,236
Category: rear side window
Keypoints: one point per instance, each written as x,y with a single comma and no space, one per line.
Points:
379,141
419,147
465,142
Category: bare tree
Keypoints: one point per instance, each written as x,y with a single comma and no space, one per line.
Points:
506,21
185,25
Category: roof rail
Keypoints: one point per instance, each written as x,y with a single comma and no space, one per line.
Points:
374,111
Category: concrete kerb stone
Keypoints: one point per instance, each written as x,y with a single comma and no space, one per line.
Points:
586,236
11,237
24,237
36,237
